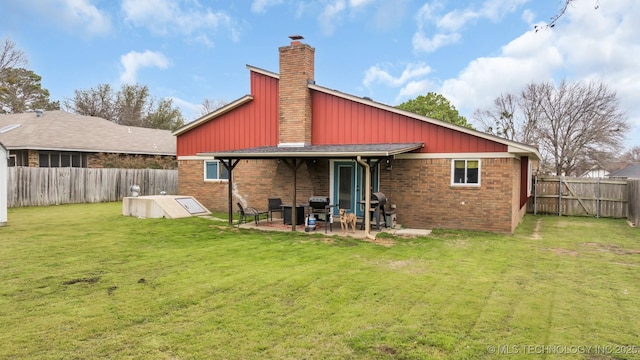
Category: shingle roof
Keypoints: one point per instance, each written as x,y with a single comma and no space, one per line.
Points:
62,131
630,172
310,151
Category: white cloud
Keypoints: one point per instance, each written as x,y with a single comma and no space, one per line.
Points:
357,3
413,89
259,6
165,17
425,44
376,74
134,60
334,10
450,25
70,14
189,110
330,16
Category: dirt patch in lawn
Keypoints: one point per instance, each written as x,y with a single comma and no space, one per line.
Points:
535,235
565,252
90,280
611,248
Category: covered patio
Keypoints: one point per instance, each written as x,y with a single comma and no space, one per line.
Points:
368,156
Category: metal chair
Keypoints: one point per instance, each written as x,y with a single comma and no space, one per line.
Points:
250,212
275,205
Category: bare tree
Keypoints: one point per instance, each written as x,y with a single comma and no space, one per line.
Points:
131,102
10,57
575,126
210,105
98,101
560,13
132,105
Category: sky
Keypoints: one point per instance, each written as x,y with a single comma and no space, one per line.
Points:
391,51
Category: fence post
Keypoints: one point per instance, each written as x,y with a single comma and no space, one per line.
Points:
535,195
560,195
598,198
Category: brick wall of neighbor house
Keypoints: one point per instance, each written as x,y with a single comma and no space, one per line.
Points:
422,191
34,158
254,181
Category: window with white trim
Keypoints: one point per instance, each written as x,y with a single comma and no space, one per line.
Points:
215,170
465,172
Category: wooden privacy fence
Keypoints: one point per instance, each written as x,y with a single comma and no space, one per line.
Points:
579,197
51,186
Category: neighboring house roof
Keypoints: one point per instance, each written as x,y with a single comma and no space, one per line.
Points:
630,172
62,131
513,146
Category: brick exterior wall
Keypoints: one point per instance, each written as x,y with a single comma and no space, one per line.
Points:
254,182
421,190
296,68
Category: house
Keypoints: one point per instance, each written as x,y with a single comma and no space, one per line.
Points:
292,139
4,156
595,172
61,139
630,172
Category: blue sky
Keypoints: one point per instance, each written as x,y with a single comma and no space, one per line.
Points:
390,51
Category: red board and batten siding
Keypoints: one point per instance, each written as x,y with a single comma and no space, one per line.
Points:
342,121
252,124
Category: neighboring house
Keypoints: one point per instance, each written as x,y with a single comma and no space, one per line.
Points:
61,139
4,156
630,172
595,172
438,175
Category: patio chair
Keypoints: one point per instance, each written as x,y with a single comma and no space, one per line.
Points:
275,205
250,212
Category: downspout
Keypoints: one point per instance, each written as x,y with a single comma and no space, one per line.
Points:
367,198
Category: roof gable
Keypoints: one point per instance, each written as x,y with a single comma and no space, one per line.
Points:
475,141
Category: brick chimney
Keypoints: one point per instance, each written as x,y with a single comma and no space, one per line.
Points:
296,72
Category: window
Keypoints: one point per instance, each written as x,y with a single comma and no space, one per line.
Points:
465,172
214,170
62,159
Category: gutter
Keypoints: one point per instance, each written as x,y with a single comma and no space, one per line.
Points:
367,198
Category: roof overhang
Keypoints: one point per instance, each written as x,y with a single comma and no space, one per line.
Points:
318,151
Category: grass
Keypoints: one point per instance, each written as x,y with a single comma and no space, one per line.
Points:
85,282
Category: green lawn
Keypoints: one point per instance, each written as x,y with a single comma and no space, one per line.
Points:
85,282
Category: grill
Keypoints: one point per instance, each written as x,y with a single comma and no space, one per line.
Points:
378,200
318,202
321,205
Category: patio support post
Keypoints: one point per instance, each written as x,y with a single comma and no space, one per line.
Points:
230,165
367,197
294,168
